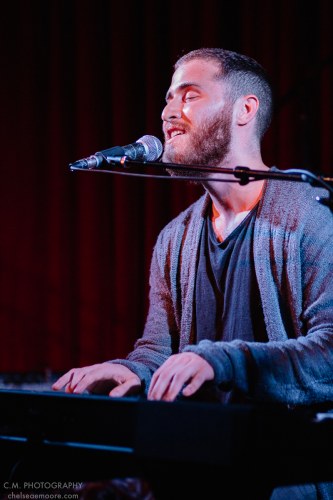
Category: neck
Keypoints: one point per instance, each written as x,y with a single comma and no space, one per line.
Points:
231,202
227,192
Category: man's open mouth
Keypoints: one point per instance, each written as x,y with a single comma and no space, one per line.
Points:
174,132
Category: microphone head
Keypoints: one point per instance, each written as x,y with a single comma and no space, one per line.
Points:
152,146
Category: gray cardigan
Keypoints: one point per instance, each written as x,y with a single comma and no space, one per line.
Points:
293,256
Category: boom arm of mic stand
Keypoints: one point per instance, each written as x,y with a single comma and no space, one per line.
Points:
315,180
243,175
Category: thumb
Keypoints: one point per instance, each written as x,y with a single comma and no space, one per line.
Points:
131,386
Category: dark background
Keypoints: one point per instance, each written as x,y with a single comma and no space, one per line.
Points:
79,76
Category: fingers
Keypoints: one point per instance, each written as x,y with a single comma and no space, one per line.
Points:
76,380
100,378
193,386
168,381
85,379
132,386
63,381
184,369
181,373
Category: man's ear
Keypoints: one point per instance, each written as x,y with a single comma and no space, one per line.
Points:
246,108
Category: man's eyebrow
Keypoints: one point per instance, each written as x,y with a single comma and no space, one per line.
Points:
181,86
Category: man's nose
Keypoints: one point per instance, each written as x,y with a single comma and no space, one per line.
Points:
172,110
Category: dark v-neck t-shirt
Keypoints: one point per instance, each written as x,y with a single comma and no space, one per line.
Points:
228,304
227,299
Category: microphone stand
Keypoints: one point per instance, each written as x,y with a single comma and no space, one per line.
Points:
242,175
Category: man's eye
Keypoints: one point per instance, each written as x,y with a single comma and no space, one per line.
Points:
190,95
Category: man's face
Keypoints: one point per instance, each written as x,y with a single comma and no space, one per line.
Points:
197,117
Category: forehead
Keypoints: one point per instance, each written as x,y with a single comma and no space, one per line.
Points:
197,71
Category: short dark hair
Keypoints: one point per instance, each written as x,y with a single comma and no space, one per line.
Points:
243,75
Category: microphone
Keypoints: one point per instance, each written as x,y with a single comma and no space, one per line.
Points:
147,148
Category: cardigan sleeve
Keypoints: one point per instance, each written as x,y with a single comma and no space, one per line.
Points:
160,337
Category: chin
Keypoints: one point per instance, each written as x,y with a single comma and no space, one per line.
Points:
170,155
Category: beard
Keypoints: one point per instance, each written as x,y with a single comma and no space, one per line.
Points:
210,145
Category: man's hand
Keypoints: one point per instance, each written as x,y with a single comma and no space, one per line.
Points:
186,368
112,378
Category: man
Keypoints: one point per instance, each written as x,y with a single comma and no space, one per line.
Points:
241,283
